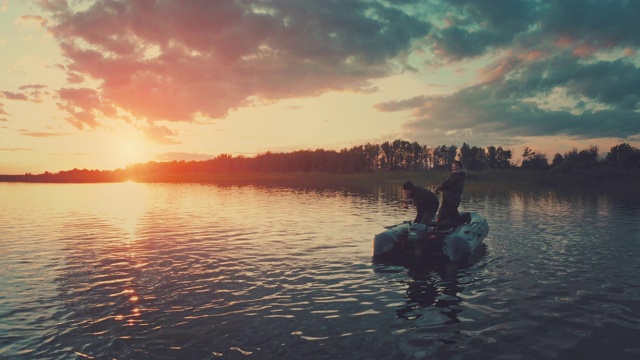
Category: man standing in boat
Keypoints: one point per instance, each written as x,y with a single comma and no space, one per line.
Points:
452,189
425,201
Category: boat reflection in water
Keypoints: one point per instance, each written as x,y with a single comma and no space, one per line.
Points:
433,288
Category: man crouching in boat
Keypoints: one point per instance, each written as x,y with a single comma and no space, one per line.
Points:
452,189
425,201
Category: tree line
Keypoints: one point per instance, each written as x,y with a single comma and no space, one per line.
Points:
622,156
400,155
388,156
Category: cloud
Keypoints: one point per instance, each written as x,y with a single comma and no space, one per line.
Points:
557,96
42,134
574,77
84,106
599,23
32,93
183,156
175,60
2,111
15,149
160,134
475,27
550,68
13,96
35,20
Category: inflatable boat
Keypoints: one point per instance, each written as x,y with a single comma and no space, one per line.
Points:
408,241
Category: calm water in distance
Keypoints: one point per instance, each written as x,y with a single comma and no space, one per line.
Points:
189,271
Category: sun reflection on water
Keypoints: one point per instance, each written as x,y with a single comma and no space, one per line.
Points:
142,270
124,204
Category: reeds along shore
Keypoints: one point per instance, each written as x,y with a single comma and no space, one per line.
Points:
619,183
604,180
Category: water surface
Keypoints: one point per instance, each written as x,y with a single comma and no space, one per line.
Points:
162,271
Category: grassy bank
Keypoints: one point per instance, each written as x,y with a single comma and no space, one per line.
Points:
615,182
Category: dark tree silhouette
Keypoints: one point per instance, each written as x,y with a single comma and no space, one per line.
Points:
388,156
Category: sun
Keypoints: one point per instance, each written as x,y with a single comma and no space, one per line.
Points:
131,150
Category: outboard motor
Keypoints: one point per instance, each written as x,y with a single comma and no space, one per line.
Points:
426,240
417,232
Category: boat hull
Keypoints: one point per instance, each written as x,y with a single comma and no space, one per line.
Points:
408,241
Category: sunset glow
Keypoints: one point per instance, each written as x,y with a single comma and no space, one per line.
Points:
131,151
104,84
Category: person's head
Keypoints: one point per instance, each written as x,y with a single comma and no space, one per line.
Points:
407,187
455,166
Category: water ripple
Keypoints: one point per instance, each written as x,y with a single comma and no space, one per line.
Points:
188,271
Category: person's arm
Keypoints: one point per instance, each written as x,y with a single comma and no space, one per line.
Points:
446,184
420,207
420,214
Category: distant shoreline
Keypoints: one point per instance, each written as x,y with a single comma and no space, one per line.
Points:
610,181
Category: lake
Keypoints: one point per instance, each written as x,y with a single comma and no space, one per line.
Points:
197,271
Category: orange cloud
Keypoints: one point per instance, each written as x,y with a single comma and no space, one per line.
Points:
35,20
531,56
84,106
13,96
584,51
42,134
498,70
186,59
564,41
160,134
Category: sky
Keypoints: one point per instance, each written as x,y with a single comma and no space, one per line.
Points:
103,84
